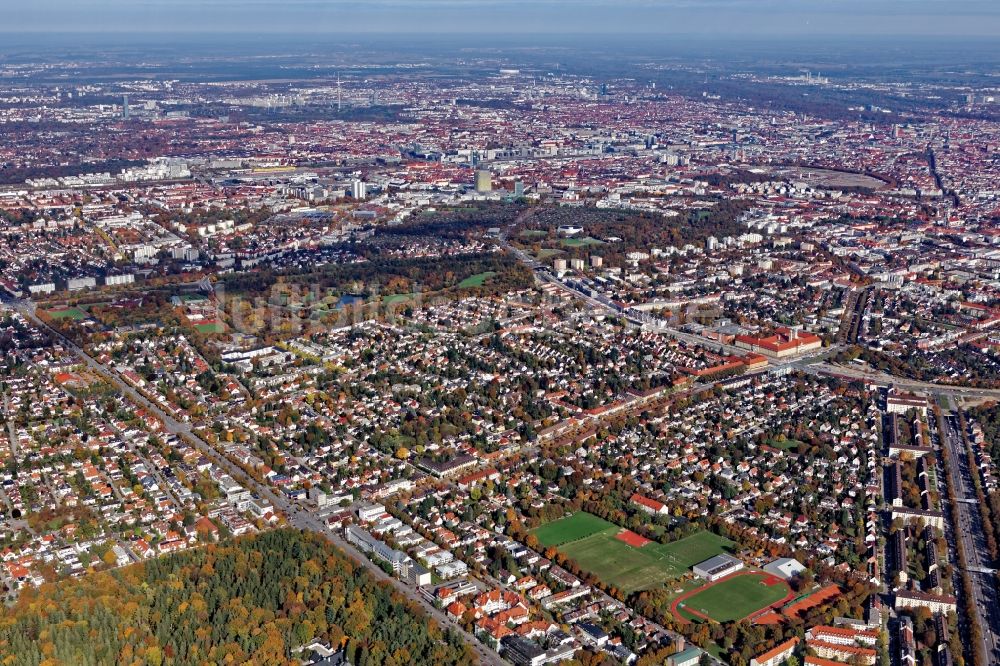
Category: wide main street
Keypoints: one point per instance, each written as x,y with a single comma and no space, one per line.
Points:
971,532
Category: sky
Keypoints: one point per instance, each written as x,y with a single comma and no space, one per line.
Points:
710,18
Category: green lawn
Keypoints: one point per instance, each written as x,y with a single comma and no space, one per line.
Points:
547,252
68,313
591,543
689,616
402,440
477,280
736,598
392,299
715,650
784,445
571,528
577,242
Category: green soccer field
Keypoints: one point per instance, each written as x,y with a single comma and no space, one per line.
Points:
591,543
211,327
571,528
69,313
696,548
736,598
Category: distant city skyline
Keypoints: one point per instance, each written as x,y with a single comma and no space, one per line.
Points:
728,18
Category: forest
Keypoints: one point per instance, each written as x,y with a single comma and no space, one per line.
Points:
641,229
391,275
251,600
455,223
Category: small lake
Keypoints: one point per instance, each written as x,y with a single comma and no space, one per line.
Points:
349,299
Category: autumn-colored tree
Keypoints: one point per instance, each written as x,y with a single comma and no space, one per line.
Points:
248,600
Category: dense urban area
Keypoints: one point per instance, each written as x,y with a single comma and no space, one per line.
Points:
497,359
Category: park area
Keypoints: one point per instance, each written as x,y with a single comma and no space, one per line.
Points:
732,598
477,280
622,558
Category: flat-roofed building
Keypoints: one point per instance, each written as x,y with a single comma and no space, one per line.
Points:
717,567
898,402
936,603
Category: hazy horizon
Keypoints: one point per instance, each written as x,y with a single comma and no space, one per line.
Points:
710,18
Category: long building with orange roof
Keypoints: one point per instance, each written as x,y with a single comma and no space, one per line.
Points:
783,343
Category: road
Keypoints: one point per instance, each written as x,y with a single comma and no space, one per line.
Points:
854,317
875,377
296,515
970,531
11,430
